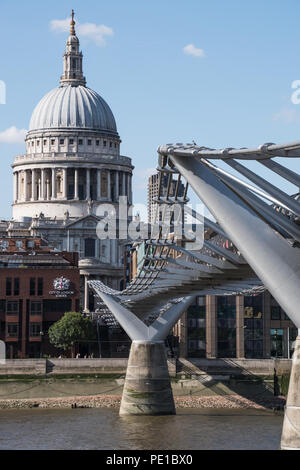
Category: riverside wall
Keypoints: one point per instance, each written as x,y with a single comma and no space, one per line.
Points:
192,366
53,378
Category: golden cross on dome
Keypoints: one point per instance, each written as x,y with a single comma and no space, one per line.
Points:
72,29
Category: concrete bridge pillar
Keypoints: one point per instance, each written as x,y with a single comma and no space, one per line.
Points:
147,389
290,438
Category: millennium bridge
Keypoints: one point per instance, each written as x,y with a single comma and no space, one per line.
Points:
262,223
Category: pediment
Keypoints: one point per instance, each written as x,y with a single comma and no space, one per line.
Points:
88,221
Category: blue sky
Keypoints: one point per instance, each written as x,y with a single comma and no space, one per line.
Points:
235,90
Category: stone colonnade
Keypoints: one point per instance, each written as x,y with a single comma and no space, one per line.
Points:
47,184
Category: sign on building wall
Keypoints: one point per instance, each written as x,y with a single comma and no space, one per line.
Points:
61,286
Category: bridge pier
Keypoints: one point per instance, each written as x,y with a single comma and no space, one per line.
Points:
290,438
147,389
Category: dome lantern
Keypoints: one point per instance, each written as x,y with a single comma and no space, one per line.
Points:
72,74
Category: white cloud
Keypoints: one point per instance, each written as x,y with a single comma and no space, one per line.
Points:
91,31
141,176
61,26
12,135
191,49
287,115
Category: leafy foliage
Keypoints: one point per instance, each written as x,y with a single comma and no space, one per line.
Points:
70,329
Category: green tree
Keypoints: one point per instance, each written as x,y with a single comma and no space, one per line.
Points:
70,329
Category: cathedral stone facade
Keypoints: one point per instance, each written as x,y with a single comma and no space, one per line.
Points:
72,166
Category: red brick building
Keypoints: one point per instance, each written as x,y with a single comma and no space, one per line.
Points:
37,286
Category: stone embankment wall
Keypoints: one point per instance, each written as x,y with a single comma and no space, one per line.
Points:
230,367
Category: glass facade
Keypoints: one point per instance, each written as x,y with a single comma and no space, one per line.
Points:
211,328
226,326
253,326
276,342
196,328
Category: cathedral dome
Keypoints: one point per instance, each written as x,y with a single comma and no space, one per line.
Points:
73,107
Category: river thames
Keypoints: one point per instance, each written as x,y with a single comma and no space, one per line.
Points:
104,429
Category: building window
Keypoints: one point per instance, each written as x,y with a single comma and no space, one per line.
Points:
30,244
276,342
226,315
62,141
196,323
12,308
40,286
32,286
32,143
3,245
89,248
45,142
275,312
57,306
80,141
110,144
97,143
52,141
35,308
34,330
12,330
89,142
104,143
253,326
16,286
8,286
38,143
115,145
19,244
71,141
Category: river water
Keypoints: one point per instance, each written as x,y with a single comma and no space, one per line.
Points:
104,429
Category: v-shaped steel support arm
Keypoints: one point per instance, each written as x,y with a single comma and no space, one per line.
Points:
136,329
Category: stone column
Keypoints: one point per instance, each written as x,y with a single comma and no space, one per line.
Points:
47,189
211,327
15,186
109,185
88,184
128,188
53,184
116,195
147,389
25,185
123,183
65,183
86,294
240,332
42,187
20,185
76,184
98,185
33,185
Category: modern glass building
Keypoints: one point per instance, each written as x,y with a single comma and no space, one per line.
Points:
236,327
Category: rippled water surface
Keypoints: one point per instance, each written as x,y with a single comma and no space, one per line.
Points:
103,428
